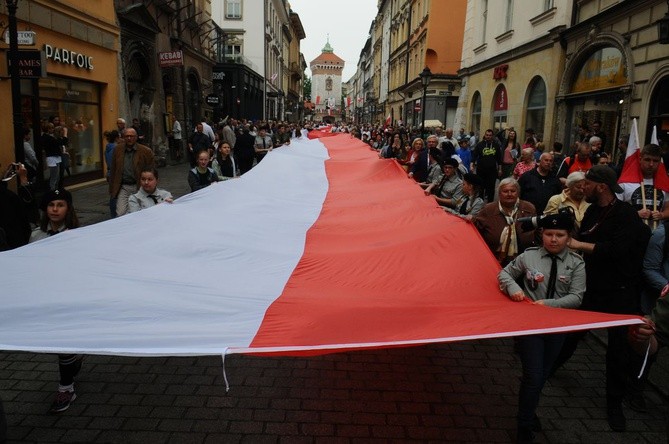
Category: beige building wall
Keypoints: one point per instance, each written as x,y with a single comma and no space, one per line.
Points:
520,74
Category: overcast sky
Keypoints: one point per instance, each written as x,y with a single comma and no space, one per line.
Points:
347,22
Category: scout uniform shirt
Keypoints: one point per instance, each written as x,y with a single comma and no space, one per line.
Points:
534,266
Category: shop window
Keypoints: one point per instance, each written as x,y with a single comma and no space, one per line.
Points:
476,113
536,105
76,105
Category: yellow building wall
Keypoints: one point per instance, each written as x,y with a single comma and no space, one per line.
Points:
67,25
521,72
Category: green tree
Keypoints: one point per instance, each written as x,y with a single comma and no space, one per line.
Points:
307,88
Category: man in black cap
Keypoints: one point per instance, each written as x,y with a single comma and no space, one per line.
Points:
613,240
553,276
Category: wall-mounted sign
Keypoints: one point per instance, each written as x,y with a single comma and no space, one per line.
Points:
213,99
31,64
22,37
605,68
499,73
218,76
170,58
501,99
67,57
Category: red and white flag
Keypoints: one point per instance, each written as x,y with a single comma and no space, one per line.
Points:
631,172
296,264
318,100
388,121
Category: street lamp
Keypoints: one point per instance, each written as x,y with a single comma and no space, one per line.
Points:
425,77
15,79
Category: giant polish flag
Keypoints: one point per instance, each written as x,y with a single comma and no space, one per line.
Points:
321,248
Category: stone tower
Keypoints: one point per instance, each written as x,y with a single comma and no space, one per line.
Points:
326,71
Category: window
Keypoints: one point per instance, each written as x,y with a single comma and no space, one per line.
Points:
484,25
536,105
508,26
233,53
78,106
233,9
548,4
500,108
476,112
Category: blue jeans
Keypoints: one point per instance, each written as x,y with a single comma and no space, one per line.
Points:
537,353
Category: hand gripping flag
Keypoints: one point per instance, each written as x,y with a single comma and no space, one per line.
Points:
322,247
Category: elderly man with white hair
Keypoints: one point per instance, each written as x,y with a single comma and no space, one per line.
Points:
595,149
573,196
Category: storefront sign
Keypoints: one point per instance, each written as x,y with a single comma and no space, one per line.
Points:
501,100
213,99
499,72
605,68
31,64
65,56
23,37
170,58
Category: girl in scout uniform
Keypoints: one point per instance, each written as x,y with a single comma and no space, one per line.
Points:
553,276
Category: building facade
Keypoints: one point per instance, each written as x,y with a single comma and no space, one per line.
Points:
511,65
326,81
398,53
296,66
166,65
437,45
80,87
616,69
239,72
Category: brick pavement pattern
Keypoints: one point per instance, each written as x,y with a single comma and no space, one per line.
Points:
456,392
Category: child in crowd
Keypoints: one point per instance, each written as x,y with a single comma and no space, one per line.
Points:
58,216
224,163
149,194
201,176
553,276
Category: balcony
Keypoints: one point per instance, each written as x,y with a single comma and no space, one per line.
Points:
236,59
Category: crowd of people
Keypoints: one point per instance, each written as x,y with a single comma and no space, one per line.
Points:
569,230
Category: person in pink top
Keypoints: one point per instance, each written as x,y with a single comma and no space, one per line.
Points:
511,153
526,163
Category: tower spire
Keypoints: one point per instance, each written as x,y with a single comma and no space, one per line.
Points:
327,48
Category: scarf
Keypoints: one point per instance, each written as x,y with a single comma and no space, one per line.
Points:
508,241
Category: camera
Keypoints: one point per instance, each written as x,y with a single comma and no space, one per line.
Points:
11,171
530,223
